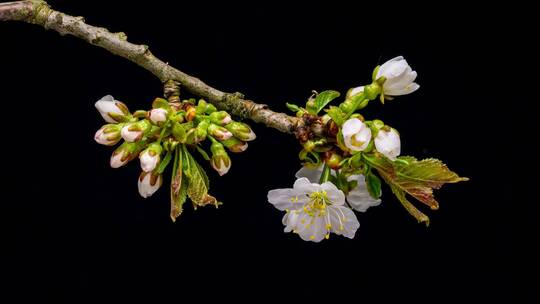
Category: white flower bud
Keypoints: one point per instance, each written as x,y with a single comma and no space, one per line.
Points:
149,183
399,77
150,157
108,135
356,135
111,110
157,116
388,143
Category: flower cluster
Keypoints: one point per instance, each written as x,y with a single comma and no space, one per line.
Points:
162,133
337,176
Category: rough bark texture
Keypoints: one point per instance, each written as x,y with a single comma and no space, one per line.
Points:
39,13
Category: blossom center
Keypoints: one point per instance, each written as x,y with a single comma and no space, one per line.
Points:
317,204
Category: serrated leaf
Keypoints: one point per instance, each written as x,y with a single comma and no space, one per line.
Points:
323,99
178,186
293,107
417,214
337,115
416,178
198,183
373,184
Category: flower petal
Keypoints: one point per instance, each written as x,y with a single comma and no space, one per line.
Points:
304,186
286,199
351,127
312,174
311,228
343,221
359,198
403,91
335,195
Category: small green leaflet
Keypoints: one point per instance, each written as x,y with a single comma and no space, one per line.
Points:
165,162
322,100
373,183
293,107
337,115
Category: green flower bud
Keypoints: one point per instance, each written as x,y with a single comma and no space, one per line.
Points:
220,118
241,131
220,159
202,130
179,132
235,145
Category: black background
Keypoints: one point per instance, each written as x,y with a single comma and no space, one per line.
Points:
79,231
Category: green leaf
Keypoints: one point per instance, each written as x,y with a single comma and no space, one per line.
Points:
413,177
198,184
337,115
165,162
373,185
178,187
323,99
293,107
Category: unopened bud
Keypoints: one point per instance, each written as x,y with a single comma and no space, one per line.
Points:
150,157
157,116
149,183
235,145
112,110
123,154
220,159
219,132
191,112
135,131
241,131
108,135
220,118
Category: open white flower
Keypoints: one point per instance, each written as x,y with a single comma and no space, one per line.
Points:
314,210
399,77
358,198
388,143
356,135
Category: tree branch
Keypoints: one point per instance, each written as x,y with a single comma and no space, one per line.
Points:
38,12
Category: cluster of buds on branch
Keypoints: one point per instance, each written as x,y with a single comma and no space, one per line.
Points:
345,156
166,134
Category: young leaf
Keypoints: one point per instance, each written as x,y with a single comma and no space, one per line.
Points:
373,185
416,178
337,115
202,152
293,107
417,214
323,99
178,187
198,184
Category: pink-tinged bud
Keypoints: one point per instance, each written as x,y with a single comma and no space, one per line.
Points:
108,135
135,131
123,154
235,145
241,131
220,118
219,132
157,116
149,183
150,157
220,159
112,110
